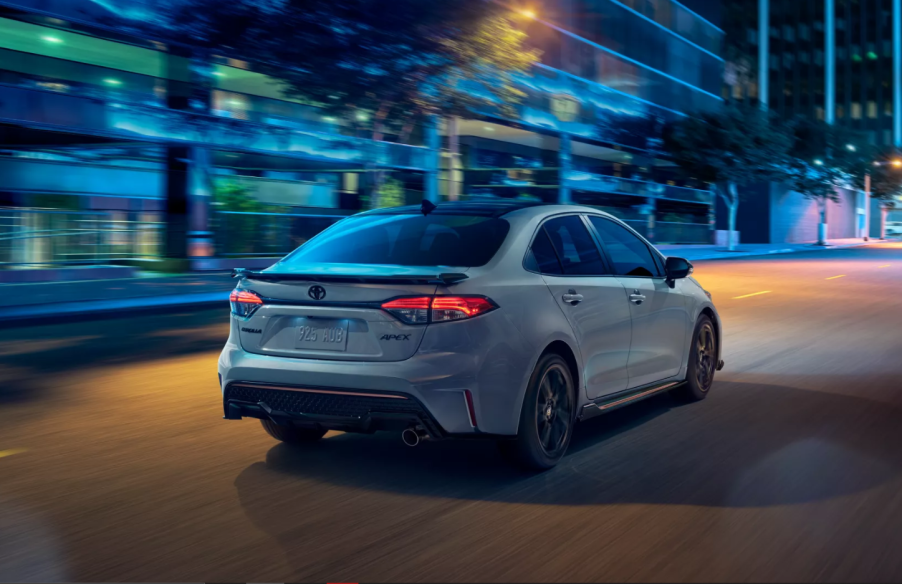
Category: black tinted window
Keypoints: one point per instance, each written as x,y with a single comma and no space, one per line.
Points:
629,254
542,257
406,240
574,246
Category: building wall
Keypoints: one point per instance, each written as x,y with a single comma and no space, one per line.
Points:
22,174
794,219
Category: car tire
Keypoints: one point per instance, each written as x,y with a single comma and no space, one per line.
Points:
702,363
546,418
292,435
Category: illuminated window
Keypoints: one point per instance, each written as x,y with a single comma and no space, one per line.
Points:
872,109
856,110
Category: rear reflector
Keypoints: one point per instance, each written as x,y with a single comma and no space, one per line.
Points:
471,410
425,309
244,302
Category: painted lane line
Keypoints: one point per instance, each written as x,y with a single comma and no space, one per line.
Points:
835,277
10,452
750,295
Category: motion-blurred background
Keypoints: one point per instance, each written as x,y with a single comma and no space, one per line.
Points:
149,146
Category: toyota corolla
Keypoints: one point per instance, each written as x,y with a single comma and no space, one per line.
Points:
500,321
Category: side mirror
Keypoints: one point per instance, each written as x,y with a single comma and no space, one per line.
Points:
677,268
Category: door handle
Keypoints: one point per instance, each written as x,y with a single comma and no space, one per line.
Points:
572,298
637,298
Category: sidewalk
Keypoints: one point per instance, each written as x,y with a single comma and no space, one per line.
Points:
34,303
695,253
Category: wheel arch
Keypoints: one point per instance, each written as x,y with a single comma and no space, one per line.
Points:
561,348
569,354
710,313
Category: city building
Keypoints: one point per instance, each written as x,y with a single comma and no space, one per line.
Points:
832,60
117,148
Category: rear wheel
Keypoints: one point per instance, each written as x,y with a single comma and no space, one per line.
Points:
290,434
702,363
546,420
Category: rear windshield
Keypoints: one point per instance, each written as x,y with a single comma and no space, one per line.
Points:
406,240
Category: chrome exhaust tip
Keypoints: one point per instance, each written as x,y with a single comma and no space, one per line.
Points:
413,436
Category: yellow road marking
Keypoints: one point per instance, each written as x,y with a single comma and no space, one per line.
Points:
884,266
4,453
835,277
749,295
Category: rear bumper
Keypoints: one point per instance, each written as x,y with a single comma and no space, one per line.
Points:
429,390
328,408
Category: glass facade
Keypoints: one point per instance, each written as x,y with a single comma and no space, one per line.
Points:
796,67
88,100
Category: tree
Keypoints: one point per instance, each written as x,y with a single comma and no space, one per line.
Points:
823,159
735,146
377,64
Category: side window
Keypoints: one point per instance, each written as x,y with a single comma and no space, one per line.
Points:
629,254
541,256
575,248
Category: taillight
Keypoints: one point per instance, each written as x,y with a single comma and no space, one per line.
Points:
244,302
414,310
424,309
445,308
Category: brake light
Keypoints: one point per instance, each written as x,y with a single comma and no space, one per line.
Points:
445,308
244,302
425,309
414,310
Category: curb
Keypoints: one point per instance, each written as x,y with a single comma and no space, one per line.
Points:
93,309
746,254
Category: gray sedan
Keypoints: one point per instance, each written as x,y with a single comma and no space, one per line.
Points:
500,321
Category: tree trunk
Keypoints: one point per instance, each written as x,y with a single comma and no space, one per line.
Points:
822,225
379,121
732,207
454,152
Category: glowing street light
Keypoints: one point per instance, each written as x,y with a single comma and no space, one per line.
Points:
851,147
818,162
897,163
528,13
362,116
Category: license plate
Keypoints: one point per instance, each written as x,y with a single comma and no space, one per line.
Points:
322,334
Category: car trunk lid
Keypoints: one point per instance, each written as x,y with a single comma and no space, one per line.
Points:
332,312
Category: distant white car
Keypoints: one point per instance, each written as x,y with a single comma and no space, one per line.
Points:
893,228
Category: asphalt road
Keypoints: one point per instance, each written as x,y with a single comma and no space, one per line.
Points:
116,466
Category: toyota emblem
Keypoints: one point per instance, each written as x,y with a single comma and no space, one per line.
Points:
316,292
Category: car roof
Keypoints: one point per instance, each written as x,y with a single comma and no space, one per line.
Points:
487,209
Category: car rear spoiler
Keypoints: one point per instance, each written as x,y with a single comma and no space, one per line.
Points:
445,279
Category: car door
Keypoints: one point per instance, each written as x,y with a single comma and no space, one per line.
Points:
660,318
592,298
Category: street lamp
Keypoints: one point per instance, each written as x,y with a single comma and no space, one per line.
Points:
818,162
851,147
528,13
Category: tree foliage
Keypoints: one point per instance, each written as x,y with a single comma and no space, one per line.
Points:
825,157
373,62
738,144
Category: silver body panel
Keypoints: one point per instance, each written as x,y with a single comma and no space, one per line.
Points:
615,343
